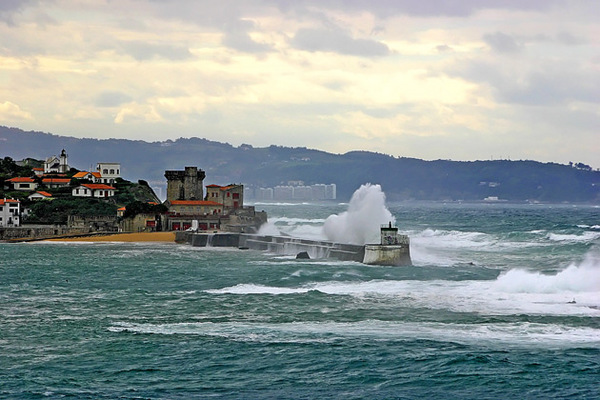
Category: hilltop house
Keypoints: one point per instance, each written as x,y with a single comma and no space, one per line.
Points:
23,184
109,172
10,213
40,195
94,177
98,190
56,182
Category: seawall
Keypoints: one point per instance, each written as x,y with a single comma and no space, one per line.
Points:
286,245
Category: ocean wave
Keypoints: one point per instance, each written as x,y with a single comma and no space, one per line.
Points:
494,334
583,238
502,296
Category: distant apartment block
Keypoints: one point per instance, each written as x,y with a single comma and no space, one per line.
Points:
293,192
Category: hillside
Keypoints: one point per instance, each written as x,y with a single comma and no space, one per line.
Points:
401,178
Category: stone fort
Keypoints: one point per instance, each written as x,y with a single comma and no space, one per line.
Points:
185,185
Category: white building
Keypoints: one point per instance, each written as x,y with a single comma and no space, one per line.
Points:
57,165
40,195
10,213
23,184
98,190
109,171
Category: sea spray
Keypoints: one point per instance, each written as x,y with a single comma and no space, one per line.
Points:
361,222
583,277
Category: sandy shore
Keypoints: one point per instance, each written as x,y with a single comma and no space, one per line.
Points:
124,237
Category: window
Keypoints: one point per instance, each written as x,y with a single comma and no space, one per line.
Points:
105,171
76,191
112,171
117,172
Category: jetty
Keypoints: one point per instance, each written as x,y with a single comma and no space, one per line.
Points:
393,249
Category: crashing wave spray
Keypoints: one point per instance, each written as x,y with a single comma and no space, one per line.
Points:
361,222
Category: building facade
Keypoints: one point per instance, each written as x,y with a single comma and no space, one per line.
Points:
10,213
109,172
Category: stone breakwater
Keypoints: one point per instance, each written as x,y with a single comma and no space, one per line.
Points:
286,245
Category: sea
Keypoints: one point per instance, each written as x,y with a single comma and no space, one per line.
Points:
502,301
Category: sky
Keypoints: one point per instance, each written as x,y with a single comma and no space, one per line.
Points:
436,79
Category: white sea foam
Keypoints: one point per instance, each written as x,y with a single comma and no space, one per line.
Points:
583,238
514,292
500,334
360,224
576,278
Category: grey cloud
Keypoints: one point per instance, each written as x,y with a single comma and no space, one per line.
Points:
555,86
338,42
548,85
430,8
8,8
111,99
501,43
241,41
568,39
142,51
237,37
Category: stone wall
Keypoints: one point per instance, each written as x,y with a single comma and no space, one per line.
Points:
39,232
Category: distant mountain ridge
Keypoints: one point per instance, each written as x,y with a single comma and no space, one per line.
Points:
401,178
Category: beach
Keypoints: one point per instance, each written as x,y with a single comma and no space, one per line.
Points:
123,237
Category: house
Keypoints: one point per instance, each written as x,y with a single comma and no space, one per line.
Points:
40,195
109,171
98,190
38,171
231,196
10,213
57,165
94,177
23,184
56,182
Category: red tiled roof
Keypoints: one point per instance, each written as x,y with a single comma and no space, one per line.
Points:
122,209
194,203
213,186
38,169
56,180
21,179
98,186
44,193
4,201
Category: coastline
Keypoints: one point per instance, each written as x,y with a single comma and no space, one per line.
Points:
123,237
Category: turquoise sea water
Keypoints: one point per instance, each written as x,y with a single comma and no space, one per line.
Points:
485,312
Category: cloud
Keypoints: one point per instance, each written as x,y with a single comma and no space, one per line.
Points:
237,37
501,43
9,8
143,51
12,112
111,99
430,8
336,41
